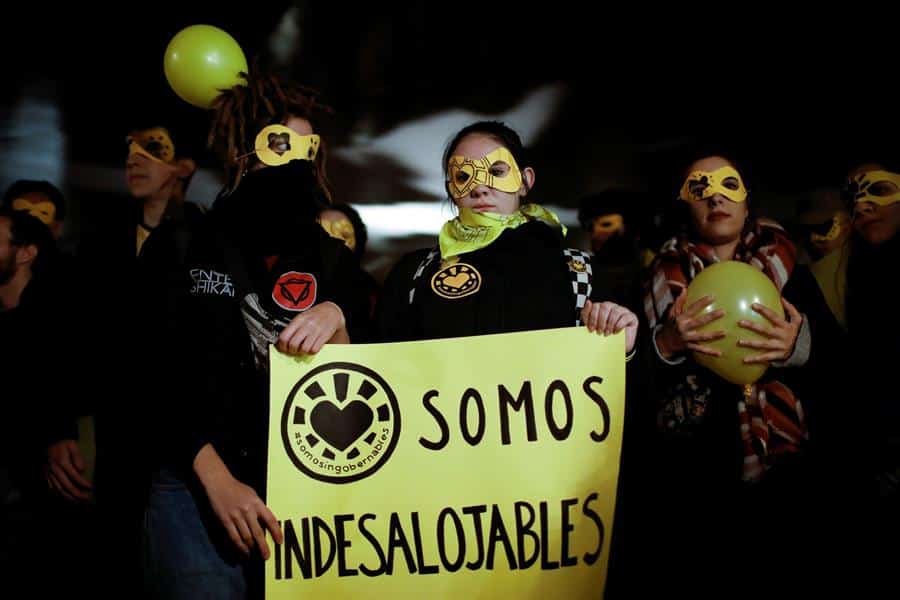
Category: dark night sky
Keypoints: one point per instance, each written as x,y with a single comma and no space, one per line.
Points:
793,101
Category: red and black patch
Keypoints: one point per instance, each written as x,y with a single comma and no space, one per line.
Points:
295,291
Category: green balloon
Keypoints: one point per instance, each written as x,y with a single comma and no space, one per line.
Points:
201,61
735,287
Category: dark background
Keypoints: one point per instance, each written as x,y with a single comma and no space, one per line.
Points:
639,91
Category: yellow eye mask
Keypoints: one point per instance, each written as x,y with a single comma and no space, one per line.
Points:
45,211
277,145
497,169
701,185
607,224
839,222
155,144
879,187
341,229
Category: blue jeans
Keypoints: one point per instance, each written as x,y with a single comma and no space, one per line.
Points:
186,552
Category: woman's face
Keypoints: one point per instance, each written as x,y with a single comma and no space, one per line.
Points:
876,223
717,220
483,198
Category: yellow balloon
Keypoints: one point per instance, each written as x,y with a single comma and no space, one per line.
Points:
735,287
201,61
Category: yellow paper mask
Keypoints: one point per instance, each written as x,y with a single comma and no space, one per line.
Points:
839,222
44,211
465,174
341,229
605,225
701,185
879,187
155,144
277,145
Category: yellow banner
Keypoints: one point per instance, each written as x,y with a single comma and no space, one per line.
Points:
477,467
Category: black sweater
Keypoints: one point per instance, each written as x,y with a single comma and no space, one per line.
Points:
224,401
524,285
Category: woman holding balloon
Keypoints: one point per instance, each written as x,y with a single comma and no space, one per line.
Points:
264,273
734,322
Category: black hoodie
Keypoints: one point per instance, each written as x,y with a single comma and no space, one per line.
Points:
262,260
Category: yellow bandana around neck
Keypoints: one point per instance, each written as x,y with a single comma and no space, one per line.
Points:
472,230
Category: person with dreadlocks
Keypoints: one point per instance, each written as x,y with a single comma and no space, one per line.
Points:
263,272
730,458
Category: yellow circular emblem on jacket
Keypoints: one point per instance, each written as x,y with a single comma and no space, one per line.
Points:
456,281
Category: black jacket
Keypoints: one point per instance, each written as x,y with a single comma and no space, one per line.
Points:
241,280
127,302
524,285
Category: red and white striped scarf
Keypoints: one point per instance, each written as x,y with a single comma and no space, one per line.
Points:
771,418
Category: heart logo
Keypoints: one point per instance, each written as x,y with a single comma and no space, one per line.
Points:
340,422
341,427
279,143
457,281
461,177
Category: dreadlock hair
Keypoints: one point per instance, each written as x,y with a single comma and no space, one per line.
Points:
241,112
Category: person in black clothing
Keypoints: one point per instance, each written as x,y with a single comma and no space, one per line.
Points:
42,200
45,202
38,385
501,265
612,220
872,194
263,272
131,258
342,222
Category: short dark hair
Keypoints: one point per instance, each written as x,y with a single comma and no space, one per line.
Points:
27,230
612,201
25,186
